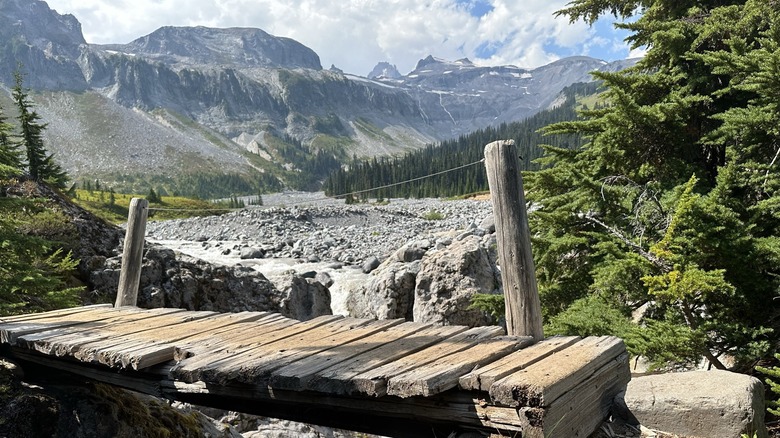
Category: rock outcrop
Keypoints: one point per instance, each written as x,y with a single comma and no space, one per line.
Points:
431,285
384,70
302,298
170,279
235,47
389,294
448,280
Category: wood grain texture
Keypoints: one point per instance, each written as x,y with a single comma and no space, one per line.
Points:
298,374
483,377
132,253
338,378
443,374
513,238
192,369
11,331
389,371
374,382
585,406
257,368
542,383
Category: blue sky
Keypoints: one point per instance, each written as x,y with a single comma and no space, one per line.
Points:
356,34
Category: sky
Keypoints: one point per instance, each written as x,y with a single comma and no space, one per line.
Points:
354,35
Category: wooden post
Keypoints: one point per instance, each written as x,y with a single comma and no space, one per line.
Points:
132,254
523,310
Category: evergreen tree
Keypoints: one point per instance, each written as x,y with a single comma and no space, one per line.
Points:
9,151
40,165
672,203
773,381
152,196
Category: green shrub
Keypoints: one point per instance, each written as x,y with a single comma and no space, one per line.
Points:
433,215
773,373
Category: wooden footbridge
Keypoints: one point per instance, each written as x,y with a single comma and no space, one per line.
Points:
390,377
387,377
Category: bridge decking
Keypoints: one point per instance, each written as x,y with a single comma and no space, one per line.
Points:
336,370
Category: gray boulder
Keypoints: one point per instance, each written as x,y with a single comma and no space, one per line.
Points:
252,253
699,404
388,294
414,250
488,224
324,278
370,264
302,298
170,279
447,281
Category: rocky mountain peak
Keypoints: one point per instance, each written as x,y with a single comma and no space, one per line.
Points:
234,47
39,38
427,61
384,70
41,26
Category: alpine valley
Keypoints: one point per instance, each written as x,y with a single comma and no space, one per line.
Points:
210,112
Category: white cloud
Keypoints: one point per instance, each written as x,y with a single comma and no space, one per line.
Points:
356,34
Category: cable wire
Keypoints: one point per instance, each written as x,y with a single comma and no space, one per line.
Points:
326,198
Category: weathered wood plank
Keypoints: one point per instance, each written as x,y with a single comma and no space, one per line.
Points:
62,341
443,374
543,382
11,331
52,313
159,344
337,378
191,369
296,375
256,366
133,382
231,337
91,351
503,418
452,407
374,382
582,409
483,377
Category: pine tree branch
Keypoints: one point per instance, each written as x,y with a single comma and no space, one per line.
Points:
652,258
774,160
690,319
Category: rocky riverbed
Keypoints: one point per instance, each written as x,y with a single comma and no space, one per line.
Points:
313,235
349,234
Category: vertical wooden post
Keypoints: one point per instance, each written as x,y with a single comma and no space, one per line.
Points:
132,254
523,309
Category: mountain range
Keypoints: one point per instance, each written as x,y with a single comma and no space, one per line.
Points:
187,101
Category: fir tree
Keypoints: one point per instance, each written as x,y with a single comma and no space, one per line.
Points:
773,381
672,202
152,196
40,165
9,151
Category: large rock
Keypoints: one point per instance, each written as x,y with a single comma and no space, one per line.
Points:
448,280
170,279
303,298
388,294
699,404
414,250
